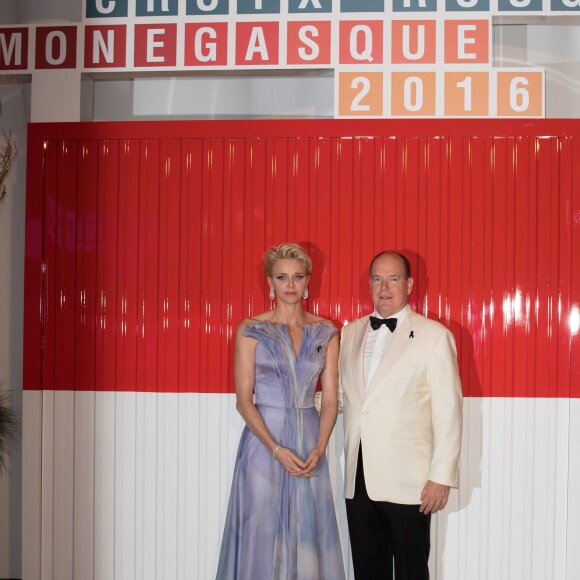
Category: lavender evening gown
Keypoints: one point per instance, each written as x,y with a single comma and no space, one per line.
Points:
280,527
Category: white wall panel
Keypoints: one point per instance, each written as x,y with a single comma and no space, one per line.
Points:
32,483
573,507
163,463
125,485
84,484
167,476
46,522
105,500
63,484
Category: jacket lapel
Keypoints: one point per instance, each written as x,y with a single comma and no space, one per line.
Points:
401,342
358,352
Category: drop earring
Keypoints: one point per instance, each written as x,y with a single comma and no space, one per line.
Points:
272,294
305,292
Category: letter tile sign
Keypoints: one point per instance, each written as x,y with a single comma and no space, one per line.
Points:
391,58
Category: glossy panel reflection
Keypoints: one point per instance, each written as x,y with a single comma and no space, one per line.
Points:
151,249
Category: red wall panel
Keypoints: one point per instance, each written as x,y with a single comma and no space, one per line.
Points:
144,243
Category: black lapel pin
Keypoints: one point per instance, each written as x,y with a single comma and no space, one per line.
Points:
411,334
319,348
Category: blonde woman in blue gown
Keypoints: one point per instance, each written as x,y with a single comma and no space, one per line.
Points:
281,523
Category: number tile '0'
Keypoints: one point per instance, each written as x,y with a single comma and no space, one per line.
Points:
413,94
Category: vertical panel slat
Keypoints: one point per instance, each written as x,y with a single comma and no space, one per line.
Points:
147,459
169,281
148,264
47,486
167,492
125,483
32,376
546,230
572,560
86,261
364,150
240,270
289,192
429,180
524,224
229,272
501,240
191,230
84,485
298,189
567,290
32,480
107,264
476,296
570,177
492,309
127,298
320,227
104,490
271,172
344,278
64,272
258,180
169,259
49,253
63,492
212,282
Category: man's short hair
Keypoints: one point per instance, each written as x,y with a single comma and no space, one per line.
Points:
403,258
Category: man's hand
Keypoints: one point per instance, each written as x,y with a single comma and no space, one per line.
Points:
433,497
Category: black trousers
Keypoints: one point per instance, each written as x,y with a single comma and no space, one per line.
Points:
382,532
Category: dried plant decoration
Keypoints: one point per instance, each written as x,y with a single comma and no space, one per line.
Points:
9,430
9,423
8,154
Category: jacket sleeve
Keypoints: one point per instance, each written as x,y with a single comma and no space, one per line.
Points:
446,410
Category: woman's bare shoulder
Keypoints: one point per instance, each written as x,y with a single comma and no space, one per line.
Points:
310,318
263,317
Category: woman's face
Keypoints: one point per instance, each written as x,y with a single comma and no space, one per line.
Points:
289,279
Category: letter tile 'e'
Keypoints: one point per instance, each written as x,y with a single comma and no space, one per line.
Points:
155,45
467,41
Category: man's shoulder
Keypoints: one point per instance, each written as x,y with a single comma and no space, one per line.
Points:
432,325
350,327
352,324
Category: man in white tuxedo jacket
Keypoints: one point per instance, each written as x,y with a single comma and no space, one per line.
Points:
402,421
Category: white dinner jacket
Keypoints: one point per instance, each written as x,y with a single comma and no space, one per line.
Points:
409,420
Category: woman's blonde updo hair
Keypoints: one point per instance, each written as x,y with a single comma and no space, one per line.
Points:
286,251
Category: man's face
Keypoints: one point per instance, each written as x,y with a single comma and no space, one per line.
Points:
389,287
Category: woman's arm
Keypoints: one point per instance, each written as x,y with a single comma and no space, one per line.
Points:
244,361
329,410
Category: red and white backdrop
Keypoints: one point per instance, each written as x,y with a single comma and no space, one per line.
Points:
143,251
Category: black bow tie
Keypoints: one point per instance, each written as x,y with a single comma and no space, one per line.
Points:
391,323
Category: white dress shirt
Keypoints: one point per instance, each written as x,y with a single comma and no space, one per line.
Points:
377,344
